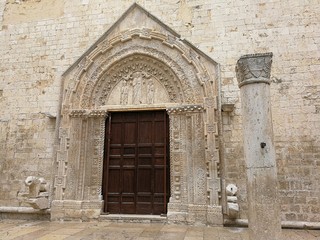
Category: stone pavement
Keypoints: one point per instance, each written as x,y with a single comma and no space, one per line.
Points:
31,230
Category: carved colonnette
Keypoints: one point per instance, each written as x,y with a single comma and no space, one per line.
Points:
212,161
61,160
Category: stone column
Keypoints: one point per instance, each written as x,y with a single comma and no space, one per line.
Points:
253,74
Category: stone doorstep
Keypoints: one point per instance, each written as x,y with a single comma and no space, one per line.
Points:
133,218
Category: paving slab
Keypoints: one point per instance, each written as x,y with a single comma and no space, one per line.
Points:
45,230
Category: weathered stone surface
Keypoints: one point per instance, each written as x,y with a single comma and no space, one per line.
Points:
253,72
41,40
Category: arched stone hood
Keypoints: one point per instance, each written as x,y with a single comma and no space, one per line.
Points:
178,72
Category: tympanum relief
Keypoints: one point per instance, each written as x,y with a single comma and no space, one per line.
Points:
138,88
138,80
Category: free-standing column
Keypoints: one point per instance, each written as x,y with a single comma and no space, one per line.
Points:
253,74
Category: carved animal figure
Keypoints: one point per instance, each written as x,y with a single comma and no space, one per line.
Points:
36,185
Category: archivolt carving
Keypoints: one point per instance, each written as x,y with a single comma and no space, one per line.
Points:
169,51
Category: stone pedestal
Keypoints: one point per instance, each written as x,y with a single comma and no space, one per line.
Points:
253,73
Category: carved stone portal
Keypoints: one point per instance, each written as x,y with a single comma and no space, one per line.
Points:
140,69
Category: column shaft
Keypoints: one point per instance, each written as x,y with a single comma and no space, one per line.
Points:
253,73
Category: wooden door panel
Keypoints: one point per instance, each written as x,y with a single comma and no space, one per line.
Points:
159,180
144,180
160,134
116,133
145,160
128,208
137,172
145,132
114,161
128,180
130,132
158,161
114,181
128,161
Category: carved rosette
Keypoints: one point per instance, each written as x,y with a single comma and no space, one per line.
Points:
254,68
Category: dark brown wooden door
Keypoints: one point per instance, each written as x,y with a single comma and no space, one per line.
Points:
136,164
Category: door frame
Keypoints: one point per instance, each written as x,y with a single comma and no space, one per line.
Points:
167,173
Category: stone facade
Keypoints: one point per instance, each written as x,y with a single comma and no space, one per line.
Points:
61,73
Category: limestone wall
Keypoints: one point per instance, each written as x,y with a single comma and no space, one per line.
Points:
40,39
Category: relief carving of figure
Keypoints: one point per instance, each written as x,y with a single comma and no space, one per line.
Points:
137,88
150,91
124,92
137,82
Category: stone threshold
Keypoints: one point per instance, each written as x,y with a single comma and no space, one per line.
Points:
133,218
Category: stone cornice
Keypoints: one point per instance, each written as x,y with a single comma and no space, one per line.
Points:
254,68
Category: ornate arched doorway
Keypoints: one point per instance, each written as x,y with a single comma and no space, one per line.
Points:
140,69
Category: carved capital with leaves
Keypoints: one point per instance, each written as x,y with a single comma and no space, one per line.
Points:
254,68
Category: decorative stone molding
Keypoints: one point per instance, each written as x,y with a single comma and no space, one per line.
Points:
62,161
97,113
254,68
78,113
227,107
185,109
88,113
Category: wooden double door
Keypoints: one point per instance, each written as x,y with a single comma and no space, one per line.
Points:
136,163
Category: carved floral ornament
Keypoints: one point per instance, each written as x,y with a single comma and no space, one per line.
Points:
254,68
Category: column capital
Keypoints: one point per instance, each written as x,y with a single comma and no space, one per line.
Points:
254,68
